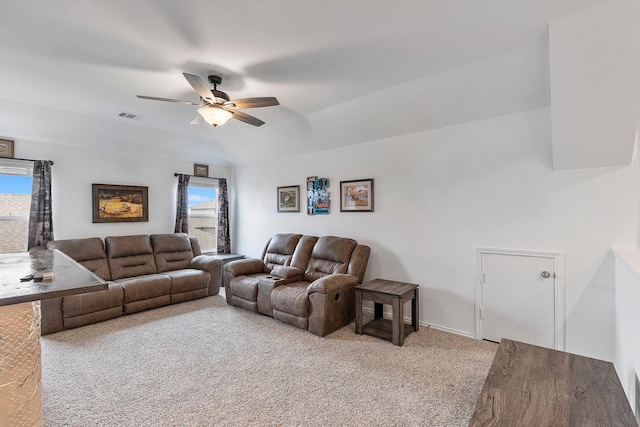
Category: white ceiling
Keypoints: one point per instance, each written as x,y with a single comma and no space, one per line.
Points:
344,72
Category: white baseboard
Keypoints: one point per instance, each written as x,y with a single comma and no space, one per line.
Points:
424,324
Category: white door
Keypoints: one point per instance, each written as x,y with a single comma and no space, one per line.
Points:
518,298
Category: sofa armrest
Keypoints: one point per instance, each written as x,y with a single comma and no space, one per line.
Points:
213,266
291,273
244,267
332,283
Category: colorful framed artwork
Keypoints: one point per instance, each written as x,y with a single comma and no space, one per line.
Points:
6,148
318,196
289,198
120,203
356,195
201,170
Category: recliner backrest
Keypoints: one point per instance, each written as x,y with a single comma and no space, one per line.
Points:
330,255
89,252
358,261
302,254
279,250
130,256
171,251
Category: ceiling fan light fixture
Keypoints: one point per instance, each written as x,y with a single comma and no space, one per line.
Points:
215,116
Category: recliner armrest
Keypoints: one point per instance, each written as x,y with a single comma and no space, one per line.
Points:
292,273
243,267
332,283
213,266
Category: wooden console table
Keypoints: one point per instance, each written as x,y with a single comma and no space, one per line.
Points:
20,369
382,291
535,386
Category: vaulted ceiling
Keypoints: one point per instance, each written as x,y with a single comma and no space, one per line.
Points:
344,72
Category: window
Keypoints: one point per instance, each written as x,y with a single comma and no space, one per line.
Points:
15,201
203,212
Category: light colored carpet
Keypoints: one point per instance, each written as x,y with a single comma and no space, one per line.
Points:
207,363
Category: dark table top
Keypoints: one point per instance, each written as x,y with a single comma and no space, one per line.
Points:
69,277
529,385
389,287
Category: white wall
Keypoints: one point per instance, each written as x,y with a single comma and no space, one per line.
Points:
439,194
627,345
75,169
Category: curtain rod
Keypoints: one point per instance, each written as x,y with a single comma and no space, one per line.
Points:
211,177
25,160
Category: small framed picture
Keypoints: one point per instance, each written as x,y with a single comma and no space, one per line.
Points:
6,148
356,195
289,198
201,170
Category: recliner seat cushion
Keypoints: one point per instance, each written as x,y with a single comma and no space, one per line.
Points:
77,305
145,287
187,280
291,298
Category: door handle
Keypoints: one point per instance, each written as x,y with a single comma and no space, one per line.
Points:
545,274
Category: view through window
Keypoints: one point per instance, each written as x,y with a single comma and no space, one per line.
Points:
15,198
203,212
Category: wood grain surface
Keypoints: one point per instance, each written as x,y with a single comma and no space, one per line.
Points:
535,386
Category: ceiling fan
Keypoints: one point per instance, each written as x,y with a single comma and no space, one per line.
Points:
215,106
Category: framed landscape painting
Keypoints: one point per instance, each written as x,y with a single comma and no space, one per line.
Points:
356,196
120,203
289,199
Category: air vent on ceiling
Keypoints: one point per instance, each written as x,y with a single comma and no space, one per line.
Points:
131,116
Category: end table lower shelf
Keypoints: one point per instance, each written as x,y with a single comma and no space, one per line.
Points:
383,328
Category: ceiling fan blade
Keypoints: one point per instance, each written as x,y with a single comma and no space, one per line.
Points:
153,98
244,117
267,101
197,120
200,86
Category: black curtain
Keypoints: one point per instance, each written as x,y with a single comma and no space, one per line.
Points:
182,205
224,238
40,220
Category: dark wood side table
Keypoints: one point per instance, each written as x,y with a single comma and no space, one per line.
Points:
382,291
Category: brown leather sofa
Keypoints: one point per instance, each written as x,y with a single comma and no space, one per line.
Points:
305,281
142,272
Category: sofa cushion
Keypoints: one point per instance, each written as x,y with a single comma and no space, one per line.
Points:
187,280
77,305
89,252
245,287
330,255
171,251
145,287
291,298
130,256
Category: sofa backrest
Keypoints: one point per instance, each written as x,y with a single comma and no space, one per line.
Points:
358,261
89,252
171,251
130,256
302,254
330,255
195,246
279,250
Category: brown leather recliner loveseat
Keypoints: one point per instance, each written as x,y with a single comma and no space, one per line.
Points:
142,271
305,281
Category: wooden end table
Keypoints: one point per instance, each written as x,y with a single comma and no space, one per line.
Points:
382,291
